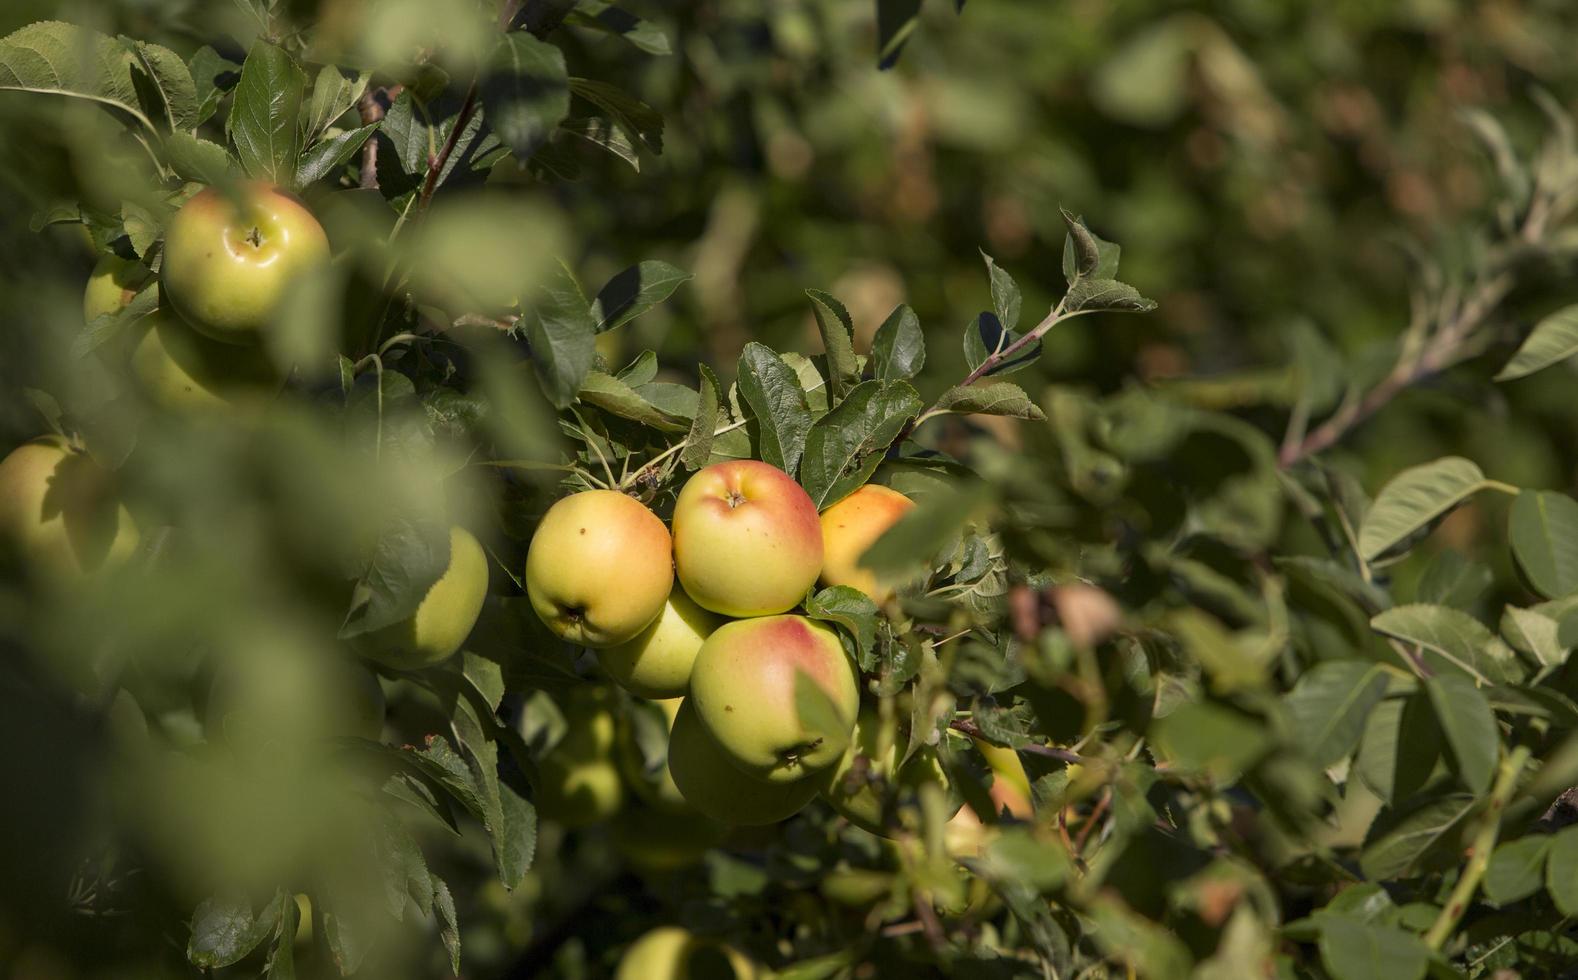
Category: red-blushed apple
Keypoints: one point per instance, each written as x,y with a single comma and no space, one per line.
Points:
111,285
59,512
577,780
747,541
868,785
710,782
443,619
231,258
656,662
851,526
179,369
672,953
777,693
599,568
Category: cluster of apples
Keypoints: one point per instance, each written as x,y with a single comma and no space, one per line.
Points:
770,698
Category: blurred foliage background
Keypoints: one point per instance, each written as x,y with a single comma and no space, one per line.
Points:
1265,167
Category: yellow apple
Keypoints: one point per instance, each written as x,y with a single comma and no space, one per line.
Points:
111,285
711,782
231,259
600,568
577,780
851,526
59,512
672,953
867,785
445,616
181,370
778,693
656,662
747,541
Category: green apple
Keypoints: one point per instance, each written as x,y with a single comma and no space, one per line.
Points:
868,785
660,841
655,788
711,782
445,616
656,662
59,512
289,694
778,693
577,780
230,259
181,370
111,285
851,526
672,953
747,541
599,568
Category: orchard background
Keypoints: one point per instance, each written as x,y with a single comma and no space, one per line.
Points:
1239,598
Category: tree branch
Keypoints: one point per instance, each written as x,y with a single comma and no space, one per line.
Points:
372,106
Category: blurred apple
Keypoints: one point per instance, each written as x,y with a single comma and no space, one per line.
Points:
59,511
577,780
445,616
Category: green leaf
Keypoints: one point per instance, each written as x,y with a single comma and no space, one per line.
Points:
1400,838
612,395
143,227
167,81
1469,724
562,336
1399,748
1452,580
838,339
1553,339
526,92
1087,295
329,155
852,611
333,95
1449,638
896,19
1329,706
635,291
410,554
224,930
414,138
1543,531
1413,501
1561,870
604,135
776,400
1005,294
1517,869
449,922
698,445
843,447
1084,254
619,22
898,351
1356,950
212,75
263,118
1534,633
196,159
281,963
998,398
985,337
641,123
61,59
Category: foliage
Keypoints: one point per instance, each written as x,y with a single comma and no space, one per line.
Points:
1271,723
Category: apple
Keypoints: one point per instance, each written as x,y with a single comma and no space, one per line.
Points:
600,568
59,512
969,832
659,841
180,369
445,616
656,662
747,541
289,694
868,783
657,788
230,259
778,693
851,526
711,783
672,953
577,780
111,285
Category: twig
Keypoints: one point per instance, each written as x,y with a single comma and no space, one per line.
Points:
372,106
973,730
435,165
1091,821
635,478
1479,851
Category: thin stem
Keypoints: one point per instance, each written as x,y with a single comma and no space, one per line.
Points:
657,460
999,357
436,165
592,442
1479,852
